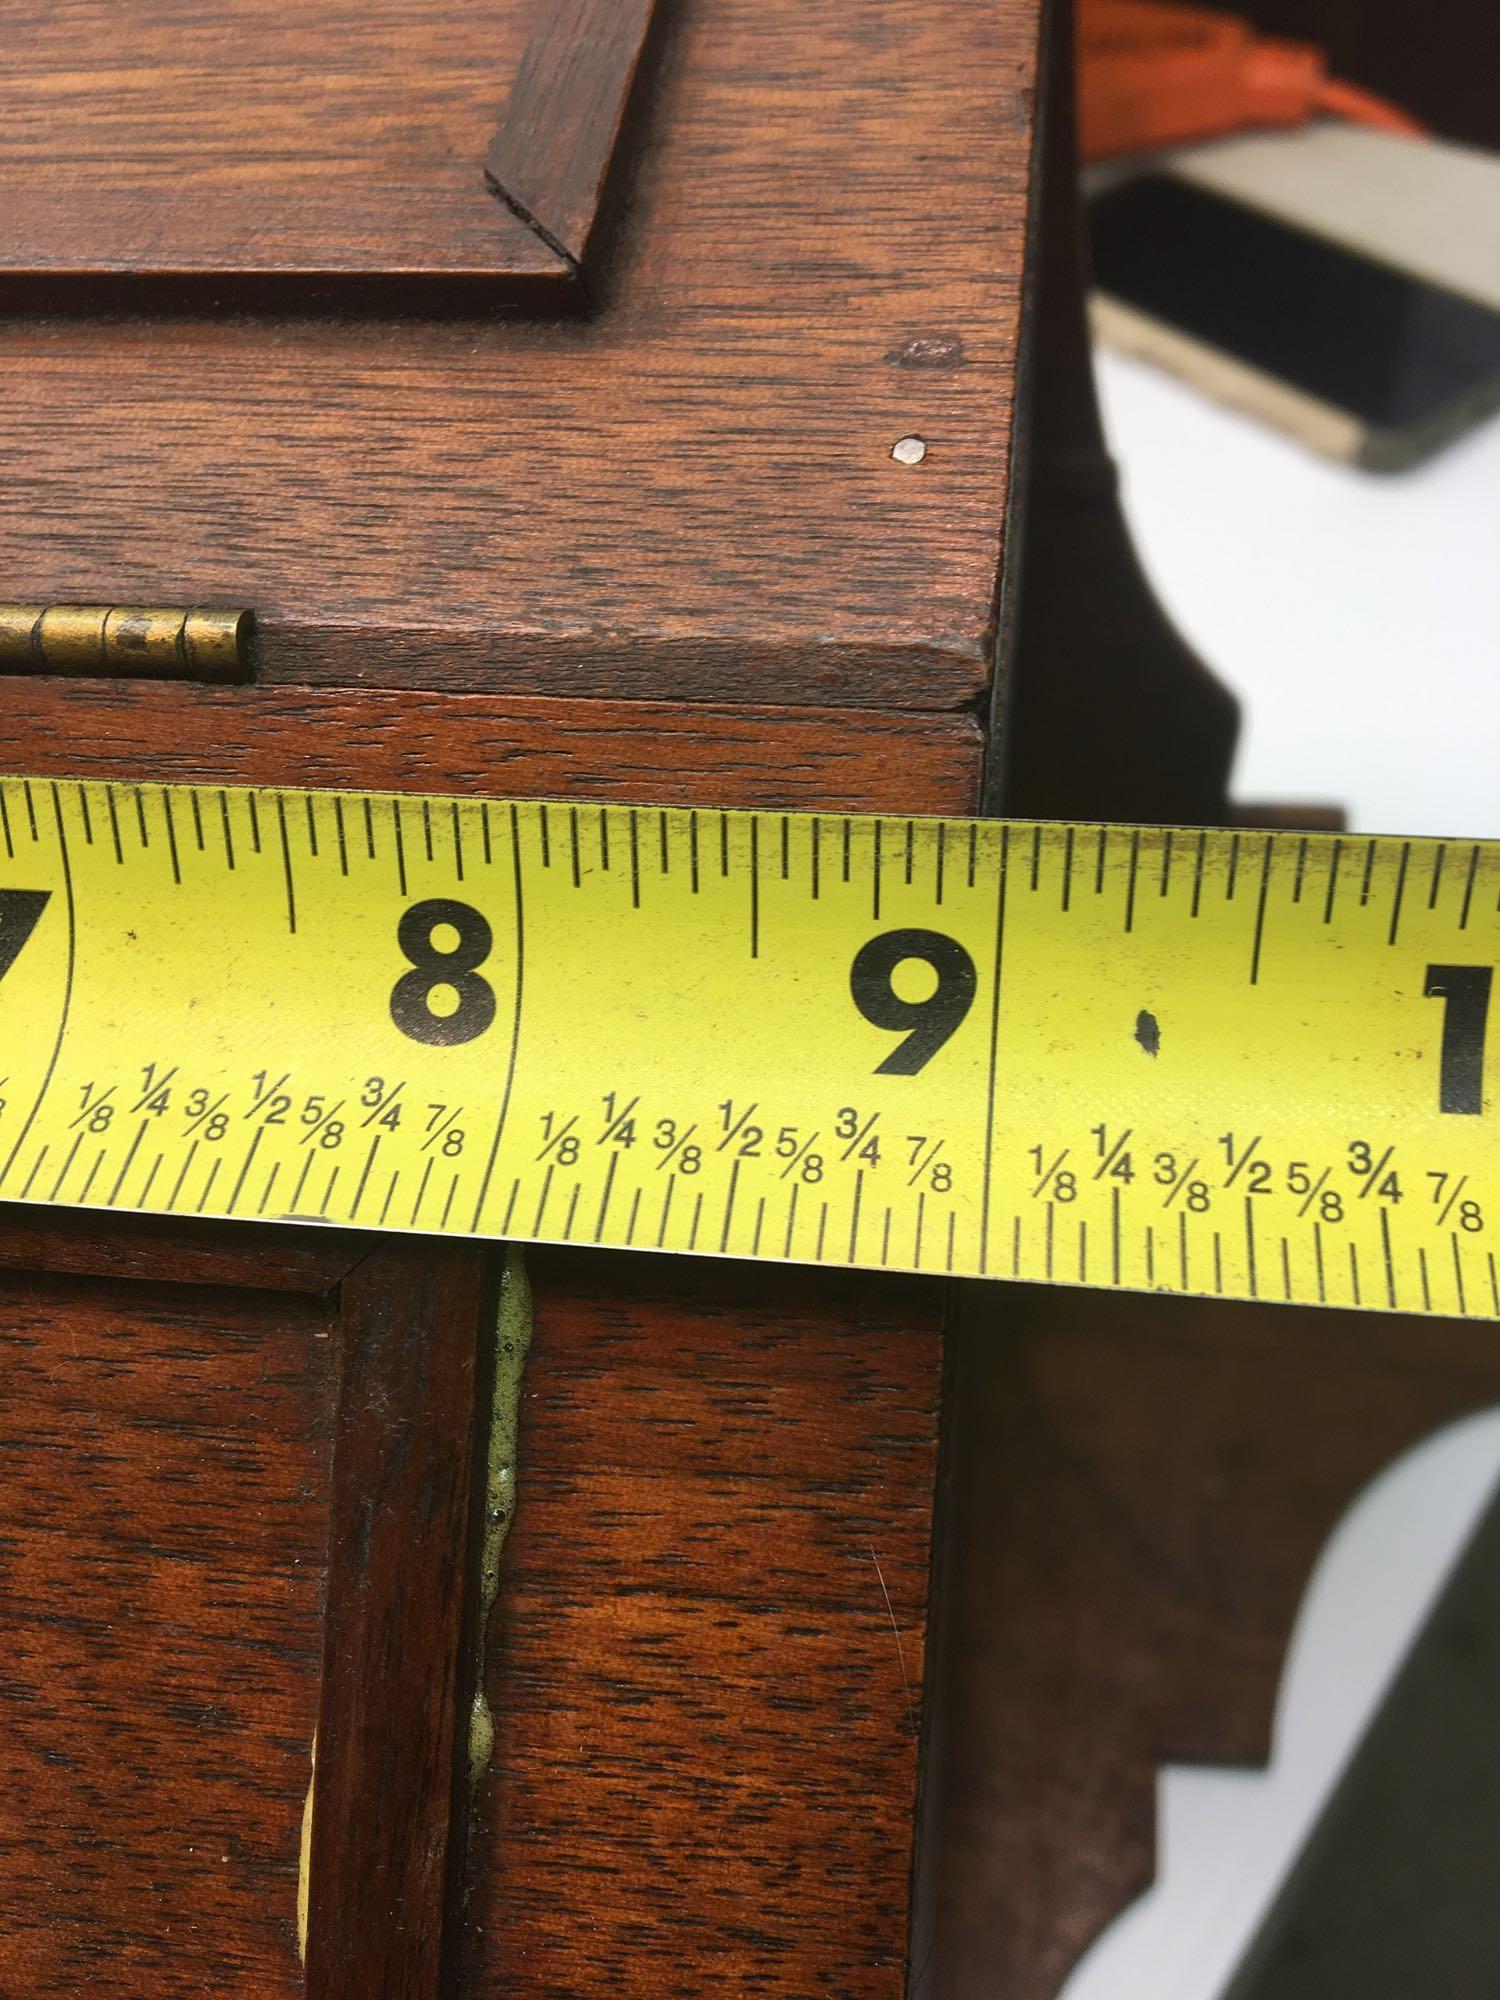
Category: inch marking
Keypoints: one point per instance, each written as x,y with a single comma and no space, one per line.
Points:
1333,880
222,989
196,1123
797,1160
166,807
1238,1166
91,1105
135,1145
383,1104
286,858
440,1126
1372,1178
1312,1194
1051,1173
994,1054
677,1145
1390,1261
617,1124
1112,1155
1469,880
503,1112
67,994
861,1135
557,1137
1260,909
1448,1206
1400,890
1182,1181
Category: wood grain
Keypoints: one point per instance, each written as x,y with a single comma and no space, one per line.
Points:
163,1250
243,141
706,1707
561,129
690,492
399,1633
162,1535
654,752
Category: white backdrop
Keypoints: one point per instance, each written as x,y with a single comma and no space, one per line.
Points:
1356,615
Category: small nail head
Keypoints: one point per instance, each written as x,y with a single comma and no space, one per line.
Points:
909,451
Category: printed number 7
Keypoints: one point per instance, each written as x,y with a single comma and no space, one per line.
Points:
20,912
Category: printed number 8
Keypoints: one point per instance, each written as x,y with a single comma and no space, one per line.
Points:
411,1000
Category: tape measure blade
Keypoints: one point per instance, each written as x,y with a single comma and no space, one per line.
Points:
1249,1065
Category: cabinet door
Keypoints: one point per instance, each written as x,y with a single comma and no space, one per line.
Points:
236,1535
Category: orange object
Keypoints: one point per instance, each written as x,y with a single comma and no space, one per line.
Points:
1152,75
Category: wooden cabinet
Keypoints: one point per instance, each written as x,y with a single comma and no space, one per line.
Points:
535,384
584,404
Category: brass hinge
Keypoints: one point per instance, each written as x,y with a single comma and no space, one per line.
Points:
158,643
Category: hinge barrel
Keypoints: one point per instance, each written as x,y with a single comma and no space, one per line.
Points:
130,641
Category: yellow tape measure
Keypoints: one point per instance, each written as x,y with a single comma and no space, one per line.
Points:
1240,1064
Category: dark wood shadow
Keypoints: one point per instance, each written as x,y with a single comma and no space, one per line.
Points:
1134,1493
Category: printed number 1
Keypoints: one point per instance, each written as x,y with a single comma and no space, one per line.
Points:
20,912
1465,993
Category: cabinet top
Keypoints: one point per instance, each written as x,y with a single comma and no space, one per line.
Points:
524,344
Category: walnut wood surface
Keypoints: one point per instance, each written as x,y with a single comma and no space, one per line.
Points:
1136,1491
690,492
399,1633
162,1249
163,1519
706,1708
653,752
710,1655
560,131
248,140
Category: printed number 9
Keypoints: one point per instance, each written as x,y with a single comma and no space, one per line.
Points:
931,1021
411,1000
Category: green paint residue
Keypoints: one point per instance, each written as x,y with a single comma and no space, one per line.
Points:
512,1340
